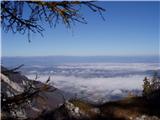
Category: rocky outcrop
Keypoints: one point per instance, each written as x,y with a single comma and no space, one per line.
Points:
69,111
13,83
74,111
145,117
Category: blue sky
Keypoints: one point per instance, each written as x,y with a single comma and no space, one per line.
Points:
130,29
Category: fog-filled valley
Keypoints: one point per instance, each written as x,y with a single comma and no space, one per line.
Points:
98,79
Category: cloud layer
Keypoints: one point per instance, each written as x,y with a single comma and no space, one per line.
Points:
97,80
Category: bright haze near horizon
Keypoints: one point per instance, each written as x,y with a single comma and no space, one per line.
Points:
129,29
101,60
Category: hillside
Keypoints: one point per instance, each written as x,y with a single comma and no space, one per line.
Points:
13,83
131,109
136,108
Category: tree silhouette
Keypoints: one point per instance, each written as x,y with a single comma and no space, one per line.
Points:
29,16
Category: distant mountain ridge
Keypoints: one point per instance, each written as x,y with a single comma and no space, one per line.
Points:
51,60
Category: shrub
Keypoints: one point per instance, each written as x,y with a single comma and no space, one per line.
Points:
151,85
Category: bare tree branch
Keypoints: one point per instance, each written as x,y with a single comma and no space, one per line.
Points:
28,16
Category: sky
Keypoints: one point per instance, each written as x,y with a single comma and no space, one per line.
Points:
129,29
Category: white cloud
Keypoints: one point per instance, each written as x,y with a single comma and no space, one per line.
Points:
123,77
96,87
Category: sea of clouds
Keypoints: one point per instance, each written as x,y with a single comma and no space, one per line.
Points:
96,81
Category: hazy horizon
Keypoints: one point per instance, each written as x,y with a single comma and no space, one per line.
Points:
156,55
